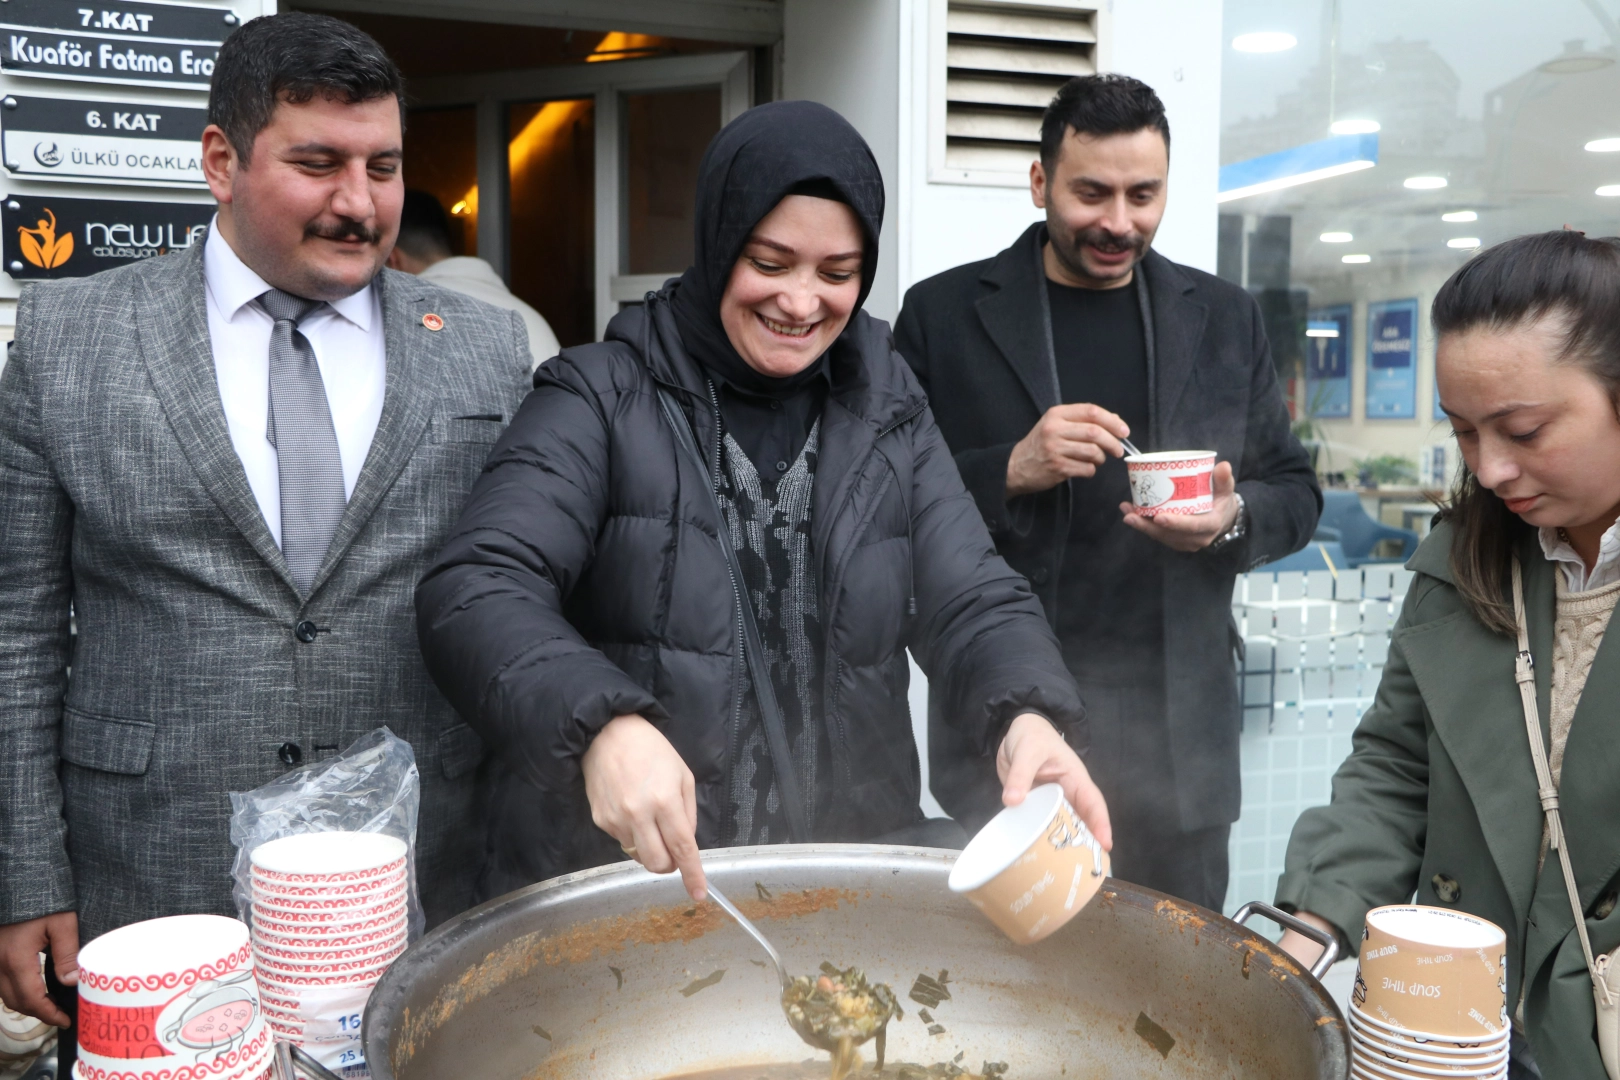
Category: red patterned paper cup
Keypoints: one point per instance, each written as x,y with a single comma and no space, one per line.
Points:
1173,482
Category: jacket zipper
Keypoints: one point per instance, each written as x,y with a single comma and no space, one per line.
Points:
829,664
738,659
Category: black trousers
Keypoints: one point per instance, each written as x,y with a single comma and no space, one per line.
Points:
1131,761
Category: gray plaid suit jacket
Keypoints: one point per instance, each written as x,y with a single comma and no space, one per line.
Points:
121,494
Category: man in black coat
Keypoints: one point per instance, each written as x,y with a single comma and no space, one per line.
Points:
1037,363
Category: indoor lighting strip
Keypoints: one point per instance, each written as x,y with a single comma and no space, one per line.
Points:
1294,181
1303,164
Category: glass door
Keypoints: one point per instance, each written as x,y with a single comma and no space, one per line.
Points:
582,177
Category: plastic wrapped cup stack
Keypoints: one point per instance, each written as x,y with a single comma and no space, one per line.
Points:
330,913
171,999
1430,998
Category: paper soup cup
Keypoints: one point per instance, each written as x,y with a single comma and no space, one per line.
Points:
302,939
1173,482
1433,970
1033,867
1392,1071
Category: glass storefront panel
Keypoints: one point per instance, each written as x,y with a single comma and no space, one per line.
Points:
441,157
1367,149
665,136
551,156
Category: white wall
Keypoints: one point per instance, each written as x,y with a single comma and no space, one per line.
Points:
842,54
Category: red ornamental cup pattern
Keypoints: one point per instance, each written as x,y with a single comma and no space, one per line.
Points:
120,1032
267,891
168,980
364,939
300,955
366,899
278,877
388,918
1176,486
239,1059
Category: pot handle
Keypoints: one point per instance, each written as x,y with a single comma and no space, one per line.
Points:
292,1059
1329,942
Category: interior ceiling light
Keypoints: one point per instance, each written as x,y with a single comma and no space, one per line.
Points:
1322,329
1355,127
1265,41
1336,238
1425,183
1609,191
1457,217
1355,260
1333,156
1603,146
1467,242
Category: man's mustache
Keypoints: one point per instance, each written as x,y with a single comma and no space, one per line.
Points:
1110,243
344,230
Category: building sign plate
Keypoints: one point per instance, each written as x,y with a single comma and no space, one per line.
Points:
129,42
48,238
116,142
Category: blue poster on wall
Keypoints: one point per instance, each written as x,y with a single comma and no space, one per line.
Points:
1392,360
1327,362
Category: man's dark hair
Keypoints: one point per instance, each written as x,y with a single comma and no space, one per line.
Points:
424,227
292,57
1101,105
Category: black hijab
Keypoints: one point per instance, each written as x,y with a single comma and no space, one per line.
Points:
766,154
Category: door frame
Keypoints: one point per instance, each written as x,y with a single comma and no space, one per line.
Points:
606,83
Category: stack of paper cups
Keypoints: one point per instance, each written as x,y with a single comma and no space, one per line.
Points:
329,916
171,999
1430,998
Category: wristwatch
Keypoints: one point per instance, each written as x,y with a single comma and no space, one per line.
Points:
1239,529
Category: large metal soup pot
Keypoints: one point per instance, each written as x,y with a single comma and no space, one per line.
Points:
614,973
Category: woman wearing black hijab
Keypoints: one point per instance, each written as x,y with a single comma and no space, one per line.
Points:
678,602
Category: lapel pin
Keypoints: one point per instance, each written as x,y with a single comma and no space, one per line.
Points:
432,321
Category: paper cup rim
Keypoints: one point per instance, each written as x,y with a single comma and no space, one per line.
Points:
278,940
1004,839
316,877
378,945
327,852
336,890
1494,935
1162,456
1494,1058
1502,1036
1403,1072
168,950
1428,1045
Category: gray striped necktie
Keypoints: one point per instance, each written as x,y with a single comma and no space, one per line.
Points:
300,428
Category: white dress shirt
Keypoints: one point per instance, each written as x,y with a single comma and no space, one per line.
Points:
347,336
1606,571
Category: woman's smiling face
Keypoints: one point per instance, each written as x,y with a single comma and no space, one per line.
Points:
794,286
1540,432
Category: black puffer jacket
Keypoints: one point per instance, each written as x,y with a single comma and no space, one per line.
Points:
585,580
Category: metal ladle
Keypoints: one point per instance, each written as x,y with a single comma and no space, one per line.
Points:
841,1049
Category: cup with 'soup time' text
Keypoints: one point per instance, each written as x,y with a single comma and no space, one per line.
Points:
1435,971
1172,482
1033,867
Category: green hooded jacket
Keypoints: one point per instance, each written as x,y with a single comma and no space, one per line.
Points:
1438,798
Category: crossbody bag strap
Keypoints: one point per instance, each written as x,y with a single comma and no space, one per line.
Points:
787,781
1546,790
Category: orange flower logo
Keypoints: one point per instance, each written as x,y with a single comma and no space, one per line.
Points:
42,247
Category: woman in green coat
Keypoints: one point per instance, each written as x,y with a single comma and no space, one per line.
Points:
1438,797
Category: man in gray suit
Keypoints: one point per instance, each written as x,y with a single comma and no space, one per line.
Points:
233,463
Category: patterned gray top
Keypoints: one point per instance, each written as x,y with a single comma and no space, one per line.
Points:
770,530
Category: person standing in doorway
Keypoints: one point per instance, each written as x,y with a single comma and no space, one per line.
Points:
230,465
424,248
1038,363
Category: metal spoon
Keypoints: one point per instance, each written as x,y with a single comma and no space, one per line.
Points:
840,1048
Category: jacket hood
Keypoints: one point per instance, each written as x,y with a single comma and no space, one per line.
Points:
868,377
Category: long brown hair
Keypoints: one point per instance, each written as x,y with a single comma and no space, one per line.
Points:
1560,275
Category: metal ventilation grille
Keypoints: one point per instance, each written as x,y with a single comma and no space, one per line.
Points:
1003,62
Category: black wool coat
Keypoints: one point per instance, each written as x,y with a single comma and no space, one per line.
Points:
979,338
586,580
